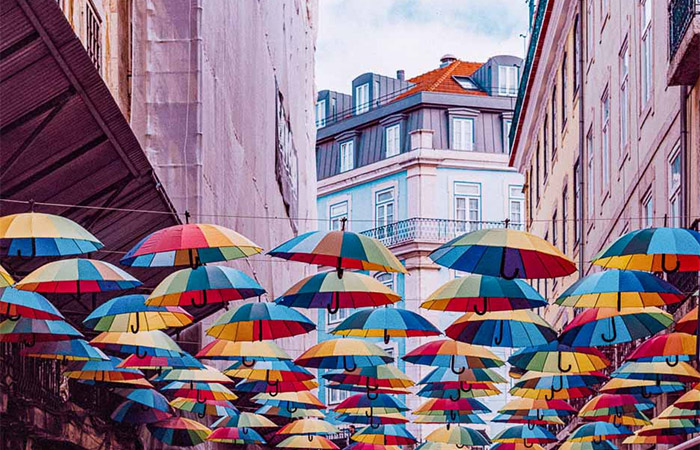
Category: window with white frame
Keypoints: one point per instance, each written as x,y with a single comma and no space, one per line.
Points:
508,80
675,189
362,98
564,81
624,95
467,206
545,144
93,38
516,204
384,210
564,218
647,51
507,124
393,140
577,52
462,134
605,137
387,279
321,113
590,174
337,317
555,227
336,396
336,213
648,209
347,156
554,120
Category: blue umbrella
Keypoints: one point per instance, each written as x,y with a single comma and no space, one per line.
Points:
137,413
146,397
386,322
521,328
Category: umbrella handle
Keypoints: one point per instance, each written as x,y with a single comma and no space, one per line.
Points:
334,301
614,332
346,367
527,444
453,415
260,331
548,397
459,445
135,329
559,361
645,394
448,425
498,339
371,391
456,397
530,425
30,342
140,355
204,300
387,338
480,312
291,409
244,430
245,363
453,368
667,270
618,412
540,417
597,441
198,399
672,361
201,415
503,273
276,385
373,424
310,437
461,387
14,318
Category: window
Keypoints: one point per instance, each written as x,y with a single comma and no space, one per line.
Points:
529,195
508,80
564,217
93,41
577,201
466,83
393,140
555,225
462,134
384,208
377,98
590,193
605,121
362,98
564,81
339,316
647,51
545,161
347,156
387,279
577,52
336,214
675,190
336,396
648,209
516,201
589,30
554,120
321,114
507,124
467,206
624,95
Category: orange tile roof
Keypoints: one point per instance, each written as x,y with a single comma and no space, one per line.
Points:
440,79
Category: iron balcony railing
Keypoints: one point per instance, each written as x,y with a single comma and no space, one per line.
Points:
429,230
680,15
358,109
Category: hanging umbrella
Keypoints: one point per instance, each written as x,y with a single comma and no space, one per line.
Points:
598,327
361,403
136,413
365,419
529,420
15,303
371,379
673,412
245,352
206,375
513,329
472,390
38,234
548,386
311,442
289,412
504,253
199,390
346,354
598,431
276,388
644,388
522,434
384,435
458,356
689,322
179,431
309,427
689,400
483,293
327,290
206,408
290,400
449,417
450,380
130,313
239,436
540,408
653,250
358,388
648,440
31,331
428,445
622,409
446,406
244,420
152,362
386,323
271,371
190,244
67,350
682,371
363,446
76,276
518,446
669,348
458,436
601,445
102,371
147,397
142,344
339,249
558,358
670,427
260,321
5,278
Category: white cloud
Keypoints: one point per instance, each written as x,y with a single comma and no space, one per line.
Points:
358,36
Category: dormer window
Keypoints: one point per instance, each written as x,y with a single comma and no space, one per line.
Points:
362,98
466,83
508,80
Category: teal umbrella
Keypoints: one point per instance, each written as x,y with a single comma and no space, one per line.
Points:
136,413
386,323
15,303
260,321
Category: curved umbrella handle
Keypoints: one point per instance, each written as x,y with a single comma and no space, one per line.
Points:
448,425
530,425
453,415
540,416
459,445
619,301
481,312
614,332
138,324
658,380
618,412
497,339
456,397
310,437
527,444
201,415
559,361
561,386
334,305
461,386
453,368
672,361
597,439
244,430
202,400
645,393
549,397
372,423
14,318
666,269
387,338
247,363
204,300
140,355
371,391
503,273
275,385
345,364
260,331
291,409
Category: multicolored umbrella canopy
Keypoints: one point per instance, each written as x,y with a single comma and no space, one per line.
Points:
513,329
644,388
558,358
136,413
669,348
147,397
597,431
359,388
670,427
327,290
339,249
439,406
15,303
76,276
289,411
346,353
483,293
601,445
375,418
516,446
271,371
130,313
459,436
455,355
548,386
244,420
311,442
234,435
622,409
385,376
277,387
599,327
363,446
199,390
689,322
37,234
617,416
530,420
5,278
672,412
245,352
384,435
301,400
102,371
523,434
217,408
444,376
620,289
207,375
681,371
504,253
260,321
449,417
359,402
308,426
143,343
66,350
189,245
455,391
653,250
152,362
526,406
386,323
204,285
648,440
31,331
179,431
689,400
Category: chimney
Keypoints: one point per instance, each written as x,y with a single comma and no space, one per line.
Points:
447,59
400,75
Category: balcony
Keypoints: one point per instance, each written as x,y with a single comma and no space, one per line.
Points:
436,231
684,42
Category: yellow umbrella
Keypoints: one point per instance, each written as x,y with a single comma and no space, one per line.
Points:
244,351
345,353
311,442
309,427
207,375
301,397
689,400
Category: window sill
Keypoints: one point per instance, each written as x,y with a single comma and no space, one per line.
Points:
647,111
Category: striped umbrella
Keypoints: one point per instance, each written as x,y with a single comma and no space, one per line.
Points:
682,372
278,387
623,409
271,371
689,400
444,376
136,413
384,435
102,371
548,386
179,431
204,285
199,390
142,344
558,358
358,388
245,352
38,234
207,375
5,278
598,327
673,412
327,290
458,436
644,388
130,313
360,402
67,350
455,392
312,442
290,400
31,331
15,303
147,397
152,362
244,420
366,419
453,354
527,419
670,427
483,293
598,431
513,329
238,436
653,250
442,406
363,446
288,411
600,445
386,322
669,348
540,408
190,244
371,379
648,440
347,354
504,253
260,321
308,427
448,418
516,446
689,322
522,434
217,408
76,276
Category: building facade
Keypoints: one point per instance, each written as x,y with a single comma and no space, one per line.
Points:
415,163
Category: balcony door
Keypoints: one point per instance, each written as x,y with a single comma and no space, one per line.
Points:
467,207
384,210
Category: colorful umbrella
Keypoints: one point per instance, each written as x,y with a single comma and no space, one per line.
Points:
147,397
453,354
136,413
363,446
271,371
206,408
76,276
653,250
648,440
346,354
516,446
540,408
15,303
245,352
374,378
458,436
445,376
689,322
529,420
244,420
449,417
206,375
483,293
327,290
513,329
366,419
599,445
288,411
504,253
290,400
200,391
673,412
623,409
669,348
548,386
471,390
142,344
152,362
689,400
598,327
558,358
38,234
260,321
277,387
339,249
179,431
682,372
239,436
102,371
311,442
645,388
598,431
309,427
67,350
386,323
5,278
670,427
130,313
204,285
522,434
360,402
384,435
442,406
31,331
190,244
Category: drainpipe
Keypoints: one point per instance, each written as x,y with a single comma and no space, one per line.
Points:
581,148
685,204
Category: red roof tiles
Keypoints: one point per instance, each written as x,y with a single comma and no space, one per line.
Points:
440,79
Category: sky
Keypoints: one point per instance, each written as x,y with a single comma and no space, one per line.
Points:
382,36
